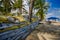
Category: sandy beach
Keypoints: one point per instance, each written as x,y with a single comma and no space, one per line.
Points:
45,32
56,23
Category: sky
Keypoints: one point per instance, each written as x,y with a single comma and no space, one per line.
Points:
54,9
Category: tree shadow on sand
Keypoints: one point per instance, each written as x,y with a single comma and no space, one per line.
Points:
49,30
43,29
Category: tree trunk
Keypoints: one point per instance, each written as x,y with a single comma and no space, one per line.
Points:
31,9
41,15
20,7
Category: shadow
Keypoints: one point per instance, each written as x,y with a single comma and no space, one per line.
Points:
49,30
56,38
43,29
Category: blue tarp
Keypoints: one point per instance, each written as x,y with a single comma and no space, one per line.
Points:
53,18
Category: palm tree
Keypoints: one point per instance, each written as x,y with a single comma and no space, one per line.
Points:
18,4
31,9
7,5
42,8
6,8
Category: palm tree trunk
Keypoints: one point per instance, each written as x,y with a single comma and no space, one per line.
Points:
31,9
20,7
41,15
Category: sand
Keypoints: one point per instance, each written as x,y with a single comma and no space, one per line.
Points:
56,23
47,36
45,32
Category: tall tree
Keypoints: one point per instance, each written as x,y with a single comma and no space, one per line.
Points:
18,4
42,8
31,9
5,6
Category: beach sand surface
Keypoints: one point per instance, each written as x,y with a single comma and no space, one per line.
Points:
45,32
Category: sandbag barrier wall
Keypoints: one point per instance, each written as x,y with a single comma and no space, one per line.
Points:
7,26
20,33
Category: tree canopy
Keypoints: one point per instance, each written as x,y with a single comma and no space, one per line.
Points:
40,5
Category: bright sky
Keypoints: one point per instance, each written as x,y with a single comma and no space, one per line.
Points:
54,9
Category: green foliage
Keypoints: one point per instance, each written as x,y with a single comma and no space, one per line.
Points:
38,4
42,7
40,14
17,4
5,6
